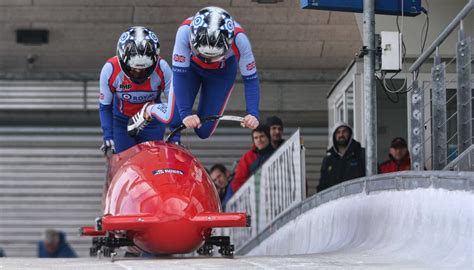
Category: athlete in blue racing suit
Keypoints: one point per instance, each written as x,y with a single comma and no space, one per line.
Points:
135,76
208,49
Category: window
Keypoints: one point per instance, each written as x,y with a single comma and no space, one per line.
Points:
340,110
350,106
345,107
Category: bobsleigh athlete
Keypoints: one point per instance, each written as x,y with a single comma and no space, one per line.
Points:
208,49
136,76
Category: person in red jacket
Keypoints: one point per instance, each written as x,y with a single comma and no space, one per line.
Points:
399,157
252,160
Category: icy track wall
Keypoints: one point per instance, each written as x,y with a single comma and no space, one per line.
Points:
421,218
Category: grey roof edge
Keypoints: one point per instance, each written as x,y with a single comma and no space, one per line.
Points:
342,76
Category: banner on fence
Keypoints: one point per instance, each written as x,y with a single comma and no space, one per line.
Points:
276,187
281,181
244,200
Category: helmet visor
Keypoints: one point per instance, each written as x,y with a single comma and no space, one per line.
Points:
138,73
208,54
140,61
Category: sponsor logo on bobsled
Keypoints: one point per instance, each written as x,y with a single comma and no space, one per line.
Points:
162,171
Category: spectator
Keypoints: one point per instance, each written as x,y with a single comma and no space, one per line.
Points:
220,175
276,131
252,160
399,157
345,160
54,245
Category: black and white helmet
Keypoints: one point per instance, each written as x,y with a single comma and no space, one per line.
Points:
138,48
212,33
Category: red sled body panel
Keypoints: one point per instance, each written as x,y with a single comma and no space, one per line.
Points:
164,200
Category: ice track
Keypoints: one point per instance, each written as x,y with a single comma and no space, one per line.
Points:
424,221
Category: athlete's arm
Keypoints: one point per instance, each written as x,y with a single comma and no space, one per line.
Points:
248,70
163,112
180,66
168,75
105,102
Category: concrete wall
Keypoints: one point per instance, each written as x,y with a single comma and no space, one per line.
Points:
84,33
297,96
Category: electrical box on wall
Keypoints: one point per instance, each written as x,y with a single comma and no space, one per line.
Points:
391,45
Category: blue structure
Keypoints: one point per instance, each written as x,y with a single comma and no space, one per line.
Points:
394,7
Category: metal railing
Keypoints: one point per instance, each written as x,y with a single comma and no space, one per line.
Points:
432,135
464,162
270,192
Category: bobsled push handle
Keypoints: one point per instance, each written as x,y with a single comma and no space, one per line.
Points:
207,119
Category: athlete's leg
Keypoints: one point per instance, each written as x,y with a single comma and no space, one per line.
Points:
121,139
153,132
176,122
215,92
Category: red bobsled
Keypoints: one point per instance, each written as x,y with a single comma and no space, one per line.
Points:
161,200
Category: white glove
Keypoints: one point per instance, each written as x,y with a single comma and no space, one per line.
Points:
192,121
250,121
108,146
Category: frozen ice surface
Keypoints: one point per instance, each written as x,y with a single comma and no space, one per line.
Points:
421,228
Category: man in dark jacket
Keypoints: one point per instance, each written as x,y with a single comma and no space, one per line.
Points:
345,160
54,245
220,176
399,157
276,131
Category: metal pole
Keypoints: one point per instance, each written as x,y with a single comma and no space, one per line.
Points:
417,127
464,92
438,108
370,97
442,36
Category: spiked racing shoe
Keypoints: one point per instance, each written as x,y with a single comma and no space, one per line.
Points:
139,121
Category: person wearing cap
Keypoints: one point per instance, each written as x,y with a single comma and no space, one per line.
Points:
54,245
276,131
399,157
345,160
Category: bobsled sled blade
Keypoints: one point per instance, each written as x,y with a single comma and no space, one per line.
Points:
216,220
128,222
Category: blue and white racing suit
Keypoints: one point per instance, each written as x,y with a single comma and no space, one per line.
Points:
120,99
216,80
